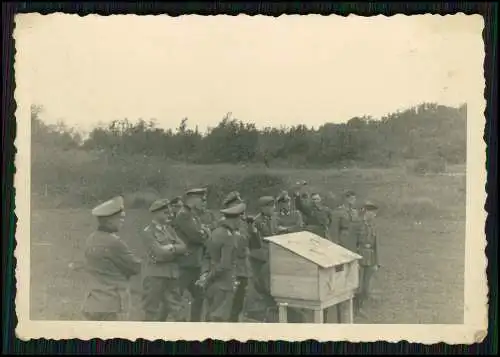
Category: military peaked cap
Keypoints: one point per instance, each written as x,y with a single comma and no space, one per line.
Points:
109,208
266,201
196,192
370,205
232,198
159,205
236,210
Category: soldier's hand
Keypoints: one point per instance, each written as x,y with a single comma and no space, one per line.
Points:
253,227
169,247
153,258
282,229
202,281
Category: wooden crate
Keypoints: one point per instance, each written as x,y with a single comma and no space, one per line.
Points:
311,272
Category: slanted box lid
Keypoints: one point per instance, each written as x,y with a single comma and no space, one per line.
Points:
312,247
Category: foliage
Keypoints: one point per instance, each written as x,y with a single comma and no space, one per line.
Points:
427,132
133,158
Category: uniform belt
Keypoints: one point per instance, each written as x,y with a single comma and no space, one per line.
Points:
367,246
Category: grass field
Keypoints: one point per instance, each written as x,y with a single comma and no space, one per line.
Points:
421,228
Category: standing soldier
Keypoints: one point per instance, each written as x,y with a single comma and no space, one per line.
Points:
247,239
110,264
342,223
219,279
190,229
289,218
267,224
161,295
367,247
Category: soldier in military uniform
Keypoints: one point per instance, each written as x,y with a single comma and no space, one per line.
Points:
289,218
342,224
219,279
110,264
191,230
367,247
267,224
161,294
247,240
318,217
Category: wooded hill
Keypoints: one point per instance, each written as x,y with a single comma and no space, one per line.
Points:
426,132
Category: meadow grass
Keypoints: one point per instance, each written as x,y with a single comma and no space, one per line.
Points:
421,227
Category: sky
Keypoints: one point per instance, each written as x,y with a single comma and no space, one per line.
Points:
270,71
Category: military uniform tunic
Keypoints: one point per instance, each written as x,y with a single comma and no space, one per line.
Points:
221,278
191,230
291,220
161,293
341,229
318,220
367,247
110,264
267,226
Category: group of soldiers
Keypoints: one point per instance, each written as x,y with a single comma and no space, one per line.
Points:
221,262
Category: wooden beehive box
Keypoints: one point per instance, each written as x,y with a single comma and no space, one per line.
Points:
306,267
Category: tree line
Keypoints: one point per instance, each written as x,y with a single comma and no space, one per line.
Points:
428,131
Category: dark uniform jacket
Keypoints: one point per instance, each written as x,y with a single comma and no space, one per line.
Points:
160,262
318,220
222,254
190,229
110,264
291,220
209,219
246,241
267,226
367,245
341,229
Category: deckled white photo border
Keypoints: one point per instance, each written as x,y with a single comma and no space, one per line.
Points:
476,288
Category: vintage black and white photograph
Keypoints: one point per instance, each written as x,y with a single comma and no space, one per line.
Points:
292,177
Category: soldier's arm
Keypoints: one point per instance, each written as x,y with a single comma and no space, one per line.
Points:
329,212
254,239
357,231
205,263
375,249
179,246
335,224
189,229
159,252
226,257
124,259
299,221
